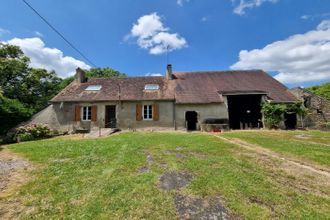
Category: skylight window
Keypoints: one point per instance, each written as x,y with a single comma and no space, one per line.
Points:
94,88
151,87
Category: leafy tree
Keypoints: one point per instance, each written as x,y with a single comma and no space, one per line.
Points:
38,87
321,90
32,87
13,68
96,73
24,90
104,72
12,112
66,81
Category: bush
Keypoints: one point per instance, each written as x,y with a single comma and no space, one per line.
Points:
273,114
32,132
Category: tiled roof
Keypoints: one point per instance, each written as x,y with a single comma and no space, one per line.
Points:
209,87
186,87
115,88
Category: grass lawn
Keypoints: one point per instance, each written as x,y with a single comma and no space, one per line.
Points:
101,178
312,146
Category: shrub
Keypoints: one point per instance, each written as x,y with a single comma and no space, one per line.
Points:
273,114
32,132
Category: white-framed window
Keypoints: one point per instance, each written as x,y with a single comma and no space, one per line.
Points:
151,87
94,88
86,113
147,112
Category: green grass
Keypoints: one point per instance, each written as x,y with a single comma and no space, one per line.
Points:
99,179
314,136
311,147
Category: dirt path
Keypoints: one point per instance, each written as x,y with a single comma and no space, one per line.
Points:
14,172
289,161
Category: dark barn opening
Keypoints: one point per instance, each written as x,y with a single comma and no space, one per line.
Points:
191,120
290,120
244,111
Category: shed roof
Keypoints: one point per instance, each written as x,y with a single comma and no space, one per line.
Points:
211,86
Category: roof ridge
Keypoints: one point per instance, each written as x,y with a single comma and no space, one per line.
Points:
126,77
220,71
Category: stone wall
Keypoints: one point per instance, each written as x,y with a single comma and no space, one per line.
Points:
318,109
216,110
55,116
127,116
62,116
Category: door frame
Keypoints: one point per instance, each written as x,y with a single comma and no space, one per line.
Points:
107,122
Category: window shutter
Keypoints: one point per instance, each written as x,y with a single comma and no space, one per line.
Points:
94,113
155,112
138,112
77,113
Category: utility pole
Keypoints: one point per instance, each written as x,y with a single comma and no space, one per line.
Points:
167,54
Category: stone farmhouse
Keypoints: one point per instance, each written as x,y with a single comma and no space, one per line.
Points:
179,100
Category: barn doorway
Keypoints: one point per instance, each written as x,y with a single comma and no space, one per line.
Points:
191,120
290,121
244,111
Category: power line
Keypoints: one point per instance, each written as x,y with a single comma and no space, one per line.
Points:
61,35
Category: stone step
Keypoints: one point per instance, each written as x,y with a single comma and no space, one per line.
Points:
97,132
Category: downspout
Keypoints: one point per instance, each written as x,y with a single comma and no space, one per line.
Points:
119,91
174,114
120,105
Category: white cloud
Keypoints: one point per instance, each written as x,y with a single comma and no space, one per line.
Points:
315,16
300,58
152,35
180,2
242,5
39,34
305,17
153,74
204,19
48,58
324,25
4,31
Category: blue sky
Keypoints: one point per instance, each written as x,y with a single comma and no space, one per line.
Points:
201,34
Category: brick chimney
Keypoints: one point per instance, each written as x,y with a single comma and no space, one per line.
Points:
80,76
169,73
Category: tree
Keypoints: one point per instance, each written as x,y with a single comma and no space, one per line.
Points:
32,87
104,72
94,73
12,112
38,87
24,90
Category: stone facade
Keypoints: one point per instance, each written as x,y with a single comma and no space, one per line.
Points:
216,110
181,100
171,116
318,109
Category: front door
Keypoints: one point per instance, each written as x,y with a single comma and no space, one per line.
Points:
110,116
